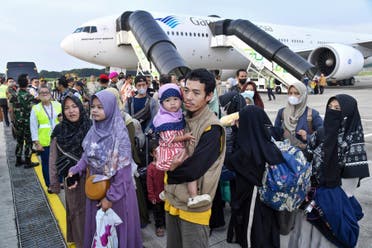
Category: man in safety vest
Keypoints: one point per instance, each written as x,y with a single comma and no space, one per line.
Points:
270,85
4,101
43,119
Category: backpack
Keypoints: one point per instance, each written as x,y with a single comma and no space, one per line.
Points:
138,133
139,136
285,185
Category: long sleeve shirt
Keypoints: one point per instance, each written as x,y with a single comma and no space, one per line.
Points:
205,154
34,123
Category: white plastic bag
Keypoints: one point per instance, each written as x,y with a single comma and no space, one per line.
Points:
106,236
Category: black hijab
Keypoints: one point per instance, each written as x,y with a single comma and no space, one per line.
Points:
69,134
344,150
255,145
232,102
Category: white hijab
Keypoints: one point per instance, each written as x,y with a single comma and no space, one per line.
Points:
292,113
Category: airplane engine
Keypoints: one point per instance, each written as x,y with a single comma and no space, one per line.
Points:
337,61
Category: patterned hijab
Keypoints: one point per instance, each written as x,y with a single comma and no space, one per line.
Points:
291,112
344,149
69,134
107,144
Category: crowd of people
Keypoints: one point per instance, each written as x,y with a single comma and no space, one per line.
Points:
160,145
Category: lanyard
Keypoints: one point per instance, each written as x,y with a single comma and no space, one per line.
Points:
50,117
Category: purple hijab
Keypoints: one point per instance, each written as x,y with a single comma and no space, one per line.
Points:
163,116
107,145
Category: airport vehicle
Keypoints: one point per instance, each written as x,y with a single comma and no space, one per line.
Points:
107,41
14,69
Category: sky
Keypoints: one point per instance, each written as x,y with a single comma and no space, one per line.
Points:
31,30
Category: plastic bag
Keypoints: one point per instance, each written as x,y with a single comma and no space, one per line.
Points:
106,236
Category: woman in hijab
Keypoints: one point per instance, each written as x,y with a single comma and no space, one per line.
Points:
65,151
340,159
107,151
297,121
252,223
140,192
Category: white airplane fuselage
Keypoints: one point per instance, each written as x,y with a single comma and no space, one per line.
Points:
192,38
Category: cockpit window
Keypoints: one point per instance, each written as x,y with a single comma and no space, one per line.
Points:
78,30
86,29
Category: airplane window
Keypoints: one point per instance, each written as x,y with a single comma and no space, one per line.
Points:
185,33
202,35
190,34
206,35
78,30
86,29
198,34
194,34
172,33
93,29
167,32
182,33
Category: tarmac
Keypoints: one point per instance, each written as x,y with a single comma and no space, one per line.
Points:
10,233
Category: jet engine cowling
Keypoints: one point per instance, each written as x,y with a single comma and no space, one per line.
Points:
337,61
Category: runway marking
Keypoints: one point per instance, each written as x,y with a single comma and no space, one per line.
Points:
55,203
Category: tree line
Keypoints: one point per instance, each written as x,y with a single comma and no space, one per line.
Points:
85,72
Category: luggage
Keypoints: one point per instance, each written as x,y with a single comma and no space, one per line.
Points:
285,185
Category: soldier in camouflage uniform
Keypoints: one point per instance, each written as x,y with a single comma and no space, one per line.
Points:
21,105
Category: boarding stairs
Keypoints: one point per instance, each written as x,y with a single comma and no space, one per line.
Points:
144,65
260,63
156,53
266,53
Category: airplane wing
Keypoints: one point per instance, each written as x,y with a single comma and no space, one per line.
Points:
367,44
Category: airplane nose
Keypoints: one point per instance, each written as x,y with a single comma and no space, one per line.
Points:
67,45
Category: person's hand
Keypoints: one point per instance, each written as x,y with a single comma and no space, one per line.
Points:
104,204
178,160
189,137
38,147
303,134
73,186
70,174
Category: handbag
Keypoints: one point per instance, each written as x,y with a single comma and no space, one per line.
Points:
96,190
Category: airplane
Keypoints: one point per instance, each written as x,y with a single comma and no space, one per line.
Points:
338,55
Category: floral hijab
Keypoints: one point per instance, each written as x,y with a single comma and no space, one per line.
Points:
107,145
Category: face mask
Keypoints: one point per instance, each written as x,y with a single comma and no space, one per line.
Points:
250,93
242,81
293,100
142,91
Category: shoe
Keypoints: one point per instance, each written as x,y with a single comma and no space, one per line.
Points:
50,191
199,201
29,164
19,162
34,164
62,186
162,196
159,232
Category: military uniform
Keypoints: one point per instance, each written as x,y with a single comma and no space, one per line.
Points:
22,105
